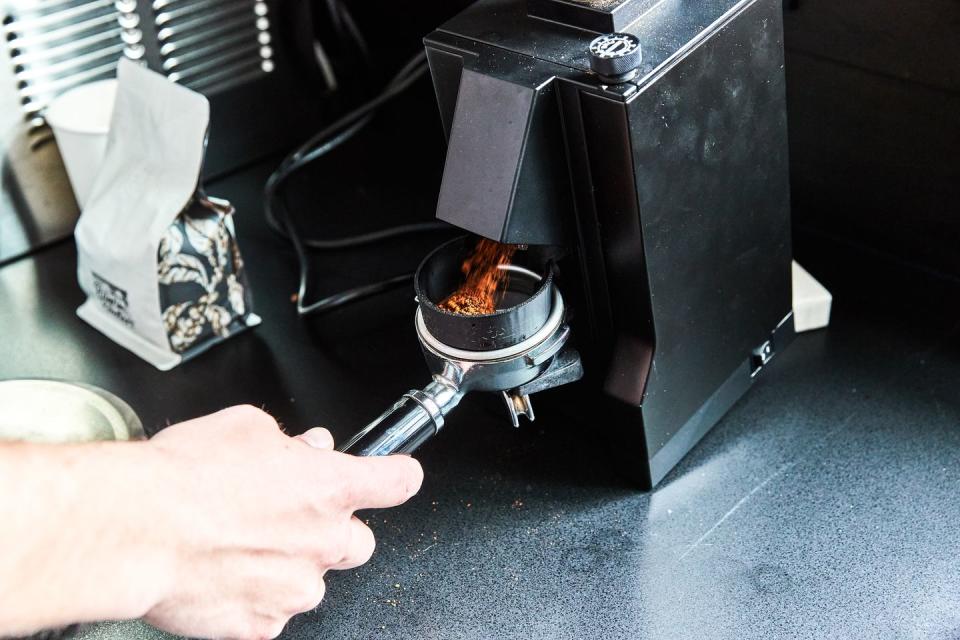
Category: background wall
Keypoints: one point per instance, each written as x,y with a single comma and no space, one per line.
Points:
874,99
36,202
12,235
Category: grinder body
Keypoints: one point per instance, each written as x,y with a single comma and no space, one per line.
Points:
666,195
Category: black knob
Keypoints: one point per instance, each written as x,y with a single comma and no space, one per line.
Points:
615,57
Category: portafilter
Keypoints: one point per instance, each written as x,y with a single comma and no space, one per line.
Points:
519,349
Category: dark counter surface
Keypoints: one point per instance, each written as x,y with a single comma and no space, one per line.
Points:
823,505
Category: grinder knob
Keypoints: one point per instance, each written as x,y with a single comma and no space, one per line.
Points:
615,57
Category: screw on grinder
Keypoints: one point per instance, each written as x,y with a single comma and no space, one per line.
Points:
615,57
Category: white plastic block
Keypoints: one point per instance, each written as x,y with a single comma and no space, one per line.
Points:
811,301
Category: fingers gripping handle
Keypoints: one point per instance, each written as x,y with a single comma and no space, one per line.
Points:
414,419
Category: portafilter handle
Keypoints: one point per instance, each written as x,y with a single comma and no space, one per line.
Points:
414,419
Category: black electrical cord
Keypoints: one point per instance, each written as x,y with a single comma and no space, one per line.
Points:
408,74
333,9
326,141
349,24
317,146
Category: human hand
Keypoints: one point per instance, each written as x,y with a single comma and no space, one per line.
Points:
257,518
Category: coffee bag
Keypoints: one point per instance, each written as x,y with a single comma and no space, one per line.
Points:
157,257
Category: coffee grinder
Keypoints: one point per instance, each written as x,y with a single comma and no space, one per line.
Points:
637,150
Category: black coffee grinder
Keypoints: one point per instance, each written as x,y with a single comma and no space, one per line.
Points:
638,148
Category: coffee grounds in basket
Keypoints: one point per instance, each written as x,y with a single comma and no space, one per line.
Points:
467,305
485,281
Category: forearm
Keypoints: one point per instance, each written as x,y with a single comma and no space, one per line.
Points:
81,534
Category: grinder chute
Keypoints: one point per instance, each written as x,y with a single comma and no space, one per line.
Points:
517,350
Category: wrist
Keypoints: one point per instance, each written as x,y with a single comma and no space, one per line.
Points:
86,526
118,502
151,527
127,487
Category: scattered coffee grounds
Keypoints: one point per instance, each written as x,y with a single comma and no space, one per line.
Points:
485,282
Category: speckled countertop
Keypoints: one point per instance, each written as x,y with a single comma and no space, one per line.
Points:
823,506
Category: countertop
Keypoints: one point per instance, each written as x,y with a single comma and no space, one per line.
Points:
824,505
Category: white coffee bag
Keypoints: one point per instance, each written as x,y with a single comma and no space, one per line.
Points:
157,258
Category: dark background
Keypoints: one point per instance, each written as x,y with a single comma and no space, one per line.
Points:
874,109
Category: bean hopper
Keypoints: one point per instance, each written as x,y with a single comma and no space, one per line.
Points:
637,151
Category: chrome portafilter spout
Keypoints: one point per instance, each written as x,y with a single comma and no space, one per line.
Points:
516,351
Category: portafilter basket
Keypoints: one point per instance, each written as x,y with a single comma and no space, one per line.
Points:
499,352
522,311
